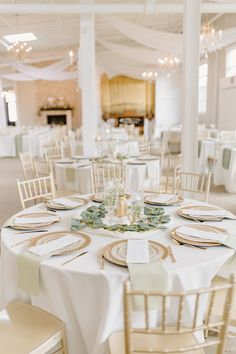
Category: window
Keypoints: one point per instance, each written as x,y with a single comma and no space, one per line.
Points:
10,100
231,62
202,93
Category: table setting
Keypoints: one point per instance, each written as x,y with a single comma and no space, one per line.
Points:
76,264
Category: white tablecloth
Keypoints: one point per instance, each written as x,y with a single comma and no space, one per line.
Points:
78,180
224,176
89,300
207,148
7,145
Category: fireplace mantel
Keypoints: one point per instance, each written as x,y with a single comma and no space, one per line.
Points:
53,113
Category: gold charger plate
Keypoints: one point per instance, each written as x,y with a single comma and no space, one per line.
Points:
99,198
54,206
176,200
115,252
208,228
83,241
33,226
199,217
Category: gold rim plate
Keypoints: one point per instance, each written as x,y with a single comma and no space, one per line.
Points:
34,215
178,237
98,197
54,206
199,217
115,252
83,241
178,199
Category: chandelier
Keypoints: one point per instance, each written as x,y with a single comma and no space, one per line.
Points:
169,64
150,75
19,50
209,38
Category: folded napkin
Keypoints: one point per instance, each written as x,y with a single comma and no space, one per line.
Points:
216,213
226,158
161,198
34,220
145,276
28,263
70,174
67,202
199,148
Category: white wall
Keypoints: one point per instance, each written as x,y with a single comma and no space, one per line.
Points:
227,104
168,100
26,103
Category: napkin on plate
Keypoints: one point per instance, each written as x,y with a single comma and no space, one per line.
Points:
199,212
67,202
162,198
34,220
28,263
144,275
202,235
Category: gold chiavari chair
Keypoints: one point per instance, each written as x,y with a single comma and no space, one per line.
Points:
27,329
53,153
170,164
42,167
36,190
105,172
26,160
175,332
195,183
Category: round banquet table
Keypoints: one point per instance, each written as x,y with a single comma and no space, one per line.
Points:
89,299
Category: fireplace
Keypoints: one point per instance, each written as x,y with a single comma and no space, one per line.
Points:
57,117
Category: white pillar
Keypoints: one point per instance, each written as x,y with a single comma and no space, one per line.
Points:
191,30
3,117
87,78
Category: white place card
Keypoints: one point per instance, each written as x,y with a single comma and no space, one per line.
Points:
54,245
205,235
67,202
34,220
137,251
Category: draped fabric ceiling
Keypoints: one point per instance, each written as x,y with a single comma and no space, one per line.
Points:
119,59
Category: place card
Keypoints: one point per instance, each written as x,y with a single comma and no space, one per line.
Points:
137,251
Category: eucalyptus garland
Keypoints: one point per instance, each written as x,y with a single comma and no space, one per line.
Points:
154,217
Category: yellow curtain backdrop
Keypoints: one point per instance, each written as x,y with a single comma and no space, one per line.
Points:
122,93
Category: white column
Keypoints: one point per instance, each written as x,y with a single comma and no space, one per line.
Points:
191,30
87,78
3,117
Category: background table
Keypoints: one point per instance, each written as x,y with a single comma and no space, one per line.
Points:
226,176
89,300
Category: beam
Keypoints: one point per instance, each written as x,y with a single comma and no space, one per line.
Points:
106,8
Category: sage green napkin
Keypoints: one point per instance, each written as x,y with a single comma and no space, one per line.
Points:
70,174
199,148
28,272
148,277
226,158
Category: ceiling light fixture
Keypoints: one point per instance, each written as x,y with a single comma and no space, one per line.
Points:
169,64
20,37
209,39
19,50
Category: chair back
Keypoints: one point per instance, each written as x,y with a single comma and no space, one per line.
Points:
42,167
178,329
105,172
196,183
27,164
53,153
170,164
37,189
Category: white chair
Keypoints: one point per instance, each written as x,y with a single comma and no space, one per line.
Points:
25,329
36,190
26,160
195,183
41,167
105,172
53,153
173,334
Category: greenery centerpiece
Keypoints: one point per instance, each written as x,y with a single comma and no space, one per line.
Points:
153,218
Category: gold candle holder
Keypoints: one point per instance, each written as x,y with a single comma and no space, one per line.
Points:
121,209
